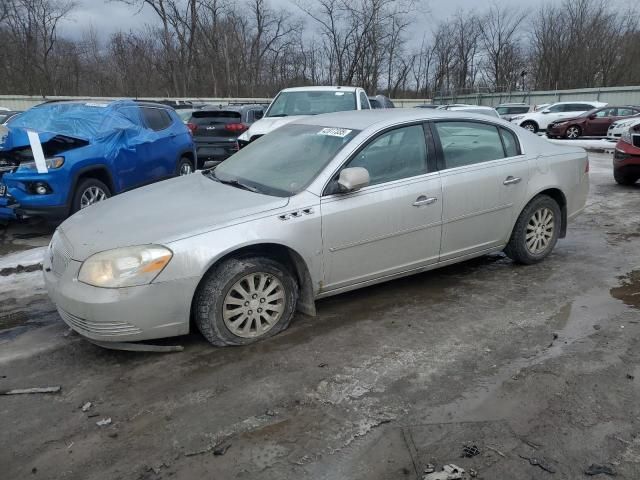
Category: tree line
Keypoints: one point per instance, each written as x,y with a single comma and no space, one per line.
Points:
253,48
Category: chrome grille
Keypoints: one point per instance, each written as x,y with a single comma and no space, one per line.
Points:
59,253
105,329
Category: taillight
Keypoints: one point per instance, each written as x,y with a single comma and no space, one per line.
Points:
236,127
192,127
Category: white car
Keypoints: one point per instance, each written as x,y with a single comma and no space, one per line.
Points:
479,109
292,104
538,120
616,129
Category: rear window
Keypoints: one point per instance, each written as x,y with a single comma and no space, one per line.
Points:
312,102
216,117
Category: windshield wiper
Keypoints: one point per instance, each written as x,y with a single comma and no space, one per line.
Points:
279,115
235,183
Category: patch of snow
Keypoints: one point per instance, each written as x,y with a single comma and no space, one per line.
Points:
588,144
21,285
33,256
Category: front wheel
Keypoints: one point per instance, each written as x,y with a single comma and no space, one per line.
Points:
88,192
245,300
531,126
573,132
536,231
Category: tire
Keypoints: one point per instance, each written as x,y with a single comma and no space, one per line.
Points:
537,209
622,179
86,188
531,126
184,167
573,132
219,293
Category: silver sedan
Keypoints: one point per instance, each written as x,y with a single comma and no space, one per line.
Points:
321,206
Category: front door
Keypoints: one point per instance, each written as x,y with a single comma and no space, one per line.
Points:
599,124
484,180
394,224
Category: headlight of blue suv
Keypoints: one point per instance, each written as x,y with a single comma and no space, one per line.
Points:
125,267
52,163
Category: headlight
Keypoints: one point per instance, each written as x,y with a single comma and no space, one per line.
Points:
125,267
244,137
558,124
52,163
626,136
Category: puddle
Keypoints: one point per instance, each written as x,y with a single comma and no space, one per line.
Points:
11,320
629,290
573,323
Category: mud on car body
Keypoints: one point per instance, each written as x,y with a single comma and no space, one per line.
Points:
92,151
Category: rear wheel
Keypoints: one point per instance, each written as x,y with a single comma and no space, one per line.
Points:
573,132
88,192
622,179
185,167
531,126
536,231
245,300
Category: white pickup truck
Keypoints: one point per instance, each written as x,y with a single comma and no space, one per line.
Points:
294,103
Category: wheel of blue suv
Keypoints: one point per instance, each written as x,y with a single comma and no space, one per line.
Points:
88,192
244,300
185,167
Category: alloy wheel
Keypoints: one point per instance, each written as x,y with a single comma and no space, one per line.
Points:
540,231
92,195
573,132
185,169
253,305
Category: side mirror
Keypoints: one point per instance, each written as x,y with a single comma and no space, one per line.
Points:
352,179
592,116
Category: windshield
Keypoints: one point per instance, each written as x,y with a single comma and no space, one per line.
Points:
286,160
311,103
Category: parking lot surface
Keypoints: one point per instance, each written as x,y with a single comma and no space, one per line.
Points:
538,366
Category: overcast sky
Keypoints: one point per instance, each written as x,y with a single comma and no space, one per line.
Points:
108,17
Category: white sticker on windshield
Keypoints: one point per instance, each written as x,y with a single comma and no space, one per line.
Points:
101,105
339,94
335,132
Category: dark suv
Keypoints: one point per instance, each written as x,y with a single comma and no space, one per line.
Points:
216,130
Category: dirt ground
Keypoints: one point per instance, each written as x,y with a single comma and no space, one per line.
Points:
538,362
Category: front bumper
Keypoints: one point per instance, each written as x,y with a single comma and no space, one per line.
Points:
127,314
556,131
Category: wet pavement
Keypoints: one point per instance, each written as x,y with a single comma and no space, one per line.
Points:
539,362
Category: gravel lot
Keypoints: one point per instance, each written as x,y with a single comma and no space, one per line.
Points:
540,362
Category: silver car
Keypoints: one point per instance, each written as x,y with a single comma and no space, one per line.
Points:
323,205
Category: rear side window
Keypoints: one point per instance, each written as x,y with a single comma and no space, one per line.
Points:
364,102
468,143
511,145
156,118
626,112
577,107
523,109
215,117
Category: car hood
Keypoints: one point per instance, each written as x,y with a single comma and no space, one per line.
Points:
269,124
569,119
12,138
162,213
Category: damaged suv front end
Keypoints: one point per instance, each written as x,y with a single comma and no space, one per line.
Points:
27,190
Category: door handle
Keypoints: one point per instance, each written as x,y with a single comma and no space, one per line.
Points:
511,180
422,200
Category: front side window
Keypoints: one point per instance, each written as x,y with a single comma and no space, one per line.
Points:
312,102
364,102
285,161
558,108
468,143
396,154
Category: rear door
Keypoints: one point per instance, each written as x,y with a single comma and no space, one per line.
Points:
215,132
484,177
160,159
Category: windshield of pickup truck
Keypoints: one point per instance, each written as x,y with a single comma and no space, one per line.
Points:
311,103
285,161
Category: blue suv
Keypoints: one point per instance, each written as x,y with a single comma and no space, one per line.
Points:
91,152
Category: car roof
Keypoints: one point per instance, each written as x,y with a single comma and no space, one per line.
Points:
361,119
514,104
327,89
595,103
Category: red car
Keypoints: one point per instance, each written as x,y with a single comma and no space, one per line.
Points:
626,159
593,123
